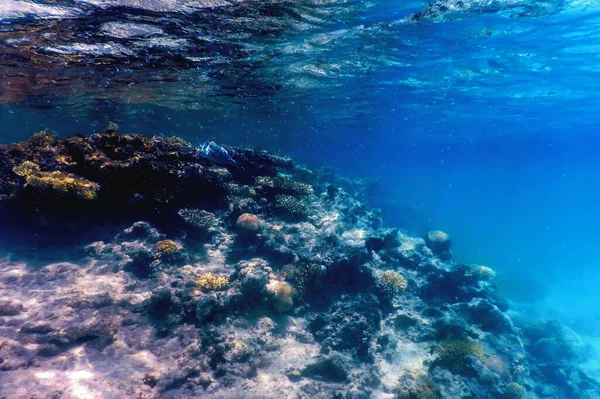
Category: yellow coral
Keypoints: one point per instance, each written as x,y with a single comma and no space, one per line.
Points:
43,138
392,283
211,282
57,181
166,247
26,169
65,160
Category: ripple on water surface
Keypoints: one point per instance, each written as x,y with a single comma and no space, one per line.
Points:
221,54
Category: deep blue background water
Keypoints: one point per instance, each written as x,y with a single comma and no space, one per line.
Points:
484,125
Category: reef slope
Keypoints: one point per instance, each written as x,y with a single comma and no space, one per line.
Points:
181,278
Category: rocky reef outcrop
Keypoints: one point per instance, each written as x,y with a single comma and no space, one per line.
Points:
261,279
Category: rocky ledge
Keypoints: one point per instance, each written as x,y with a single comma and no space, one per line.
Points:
181,278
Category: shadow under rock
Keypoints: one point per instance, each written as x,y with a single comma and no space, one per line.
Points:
38,247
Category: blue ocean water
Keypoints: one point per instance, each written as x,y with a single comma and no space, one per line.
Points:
476,118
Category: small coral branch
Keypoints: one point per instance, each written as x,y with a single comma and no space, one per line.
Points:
392,283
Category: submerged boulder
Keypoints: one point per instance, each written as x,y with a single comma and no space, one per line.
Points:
439,243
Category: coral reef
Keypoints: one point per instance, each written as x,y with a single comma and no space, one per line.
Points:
480,273
514,391
55,181
421,387
282,185
290,207
457,355
283,296
392,283
215,283
166,247
247,223
211,282
202,221
112,177
439,243
556,350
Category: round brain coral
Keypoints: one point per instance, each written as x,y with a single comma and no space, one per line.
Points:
248,223
480,273
438,241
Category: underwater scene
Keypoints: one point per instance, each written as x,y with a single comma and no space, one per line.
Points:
298,199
